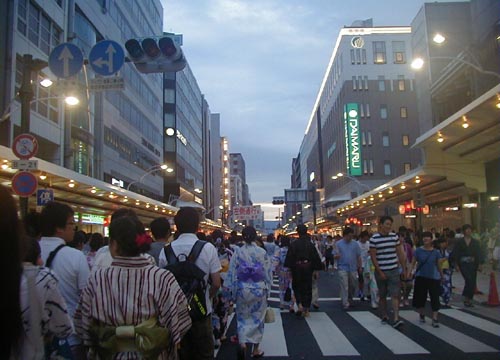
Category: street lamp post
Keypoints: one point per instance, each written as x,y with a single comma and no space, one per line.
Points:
150,171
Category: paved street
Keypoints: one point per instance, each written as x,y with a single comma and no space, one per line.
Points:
331,333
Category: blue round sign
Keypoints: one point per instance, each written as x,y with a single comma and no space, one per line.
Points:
106,57
65,60
24,183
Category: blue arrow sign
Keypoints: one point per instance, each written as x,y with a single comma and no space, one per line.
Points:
106,57
65,60
43,196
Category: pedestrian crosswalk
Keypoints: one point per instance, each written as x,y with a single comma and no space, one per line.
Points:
330,336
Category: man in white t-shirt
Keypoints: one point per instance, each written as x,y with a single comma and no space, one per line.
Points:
69,265
198,343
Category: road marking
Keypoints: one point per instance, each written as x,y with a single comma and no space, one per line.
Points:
329,337
472,320
389,337
274,342
452,337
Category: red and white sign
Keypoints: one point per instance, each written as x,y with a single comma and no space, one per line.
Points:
24,183
247,212
25,146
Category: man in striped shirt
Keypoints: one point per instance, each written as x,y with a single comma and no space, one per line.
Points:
387,256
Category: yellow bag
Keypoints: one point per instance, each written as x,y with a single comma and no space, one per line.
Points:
270,317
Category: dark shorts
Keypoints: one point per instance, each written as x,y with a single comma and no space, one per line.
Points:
391,285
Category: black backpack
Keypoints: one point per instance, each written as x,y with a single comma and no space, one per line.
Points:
190,277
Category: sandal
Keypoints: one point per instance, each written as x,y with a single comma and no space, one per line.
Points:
258,355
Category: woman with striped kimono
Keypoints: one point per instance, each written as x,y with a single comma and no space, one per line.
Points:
133,309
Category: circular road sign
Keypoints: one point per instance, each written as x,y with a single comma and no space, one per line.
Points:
25,146
24,183
106,57
65,60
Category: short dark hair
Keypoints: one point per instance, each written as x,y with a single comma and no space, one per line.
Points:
384,218
364,233
466,226
187,220
54,216
96,241
302,229
249,234
160,227
426,234
347,231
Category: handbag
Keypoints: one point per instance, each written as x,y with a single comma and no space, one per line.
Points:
288,294
269,317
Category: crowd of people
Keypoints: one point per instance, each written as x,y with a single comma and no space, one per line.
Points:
76,296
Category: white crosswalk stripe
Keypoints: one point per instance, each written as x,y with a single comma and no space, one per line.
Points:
329,337
332,342
472,320
274,342
391,338
457,339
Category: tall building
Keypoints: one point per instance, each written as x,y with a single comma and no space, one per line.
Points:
364,119
114,136
238,168
458,101
183,143
225,205
213,175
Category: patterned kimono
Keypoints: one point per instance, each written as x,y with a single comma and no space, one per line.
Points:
131,292
249,278
284,275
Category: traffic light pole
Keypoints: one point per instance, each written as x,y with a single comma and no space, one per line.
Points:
26,94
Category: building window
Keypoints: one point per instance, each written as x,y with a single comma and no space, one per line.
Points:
358,56
363,55
385,140
365,167
381,83
37,26
360,82
367,110
353,59
401,83
362,110
407,167
379,56
354,87
363,138
366,82
387,168
369,138
403,112
399,52
406,140
371,166
383,111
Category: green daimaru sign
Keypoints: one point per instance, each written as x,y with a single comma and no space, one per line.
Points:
352,138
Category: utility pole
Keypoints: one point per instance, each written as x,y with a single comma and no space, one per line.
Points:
26,93
313,190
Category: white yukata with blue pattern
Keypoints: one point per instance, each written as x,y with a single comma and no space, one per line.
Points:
249,295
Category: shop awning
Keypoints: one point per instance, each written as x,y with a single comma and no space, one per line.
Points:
88,195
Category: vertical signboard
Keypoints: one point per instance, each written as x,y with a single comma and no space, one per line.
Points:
352,136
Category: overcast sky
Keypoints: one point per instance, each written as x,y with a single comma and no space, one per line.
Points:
260,64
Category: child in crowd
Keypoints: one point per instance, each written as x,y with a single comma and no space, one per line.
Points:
445,266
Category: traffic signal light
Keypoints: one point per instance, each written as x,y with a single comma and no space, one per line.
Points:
157,54
278,202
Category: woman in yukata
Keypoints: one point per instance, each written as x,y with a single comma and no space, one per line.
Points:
284,275
249,278
132,309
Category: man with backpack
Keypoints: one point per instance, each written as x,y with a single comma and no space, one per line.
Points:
179,257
